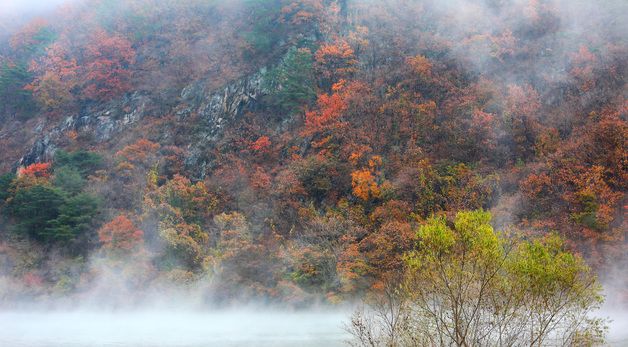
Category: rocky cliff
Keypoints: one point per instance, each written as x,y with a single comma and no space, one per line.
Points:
214,109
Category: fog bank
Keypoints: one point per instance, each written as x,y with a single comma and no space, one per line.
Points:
172,328
19,7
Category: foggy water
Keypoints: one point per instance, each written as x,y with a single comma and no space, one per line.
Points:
179,329
196,329
618,327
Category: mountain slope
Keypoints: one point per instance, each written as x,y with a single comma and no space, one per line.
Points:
288,150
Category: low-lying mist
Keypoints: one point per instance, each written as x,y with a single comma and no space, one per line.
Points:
111,310
152,327
171,326
254,237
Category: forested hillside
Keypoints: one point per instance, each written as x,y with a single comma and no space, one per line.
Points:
290,150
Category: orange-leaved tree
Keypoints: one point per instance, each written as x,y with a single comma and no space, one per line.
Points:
97,70
365,181
335,61
107,72
32,175
120,235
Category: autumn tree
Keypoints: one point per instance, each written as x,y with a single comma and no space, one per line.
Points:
185,246
467,284
328,123
335,61
97,70
36,170
192,201
421,66
142,152
366,183
328,116
261,145
392,236
583,63
319,248
120,235
139,156
441,186
32,175
57,76
180,211
577,190
247,265
26,44
471,128
522,107
134,169
321,177
173,161
106,65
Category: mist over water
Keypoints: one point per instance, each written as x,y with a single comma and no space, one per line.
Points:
172,328
229,328
71,327
618,327
616,312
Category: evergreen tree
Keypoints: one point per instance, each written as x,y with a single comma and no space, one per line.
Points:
13,96
85,162
69,179
74,219
292,83
5,185
34,209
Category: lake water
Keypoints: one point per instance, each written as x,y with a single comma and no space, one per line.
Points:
618,327
196,329
179,329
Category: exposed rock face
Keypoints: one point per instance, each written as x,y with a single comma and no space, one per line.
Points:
100,122
103,124
215,110
42,150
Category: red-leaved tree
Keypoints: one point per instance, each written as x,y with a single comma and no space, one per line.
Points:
120,235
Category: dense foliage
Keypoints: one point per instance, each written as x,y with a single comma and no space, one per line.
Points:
376,117
469,285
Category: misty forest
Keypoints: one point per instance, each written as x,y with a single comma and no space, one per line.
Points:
313,173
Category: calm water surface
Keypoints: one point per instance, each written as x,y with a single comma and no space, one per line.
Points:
198,329
139,329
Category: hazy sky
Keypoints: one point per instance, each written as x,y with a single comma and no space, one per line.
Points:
18,7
